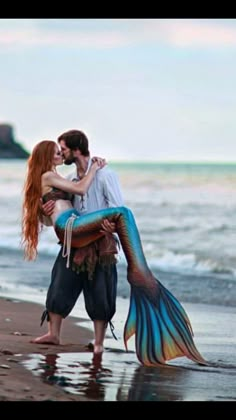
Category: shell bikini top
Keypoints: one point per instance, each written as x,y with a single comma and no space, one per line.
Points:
56,194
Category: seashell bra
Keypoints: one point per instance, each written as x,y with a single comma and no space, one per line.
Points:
57,194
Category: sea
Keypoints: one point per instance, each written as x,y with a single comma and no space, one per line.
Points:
185,213
186,216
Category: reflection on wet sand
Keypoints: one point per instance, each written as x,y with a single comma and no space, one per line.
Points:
95,386
77,377
114,376
116,380
152,384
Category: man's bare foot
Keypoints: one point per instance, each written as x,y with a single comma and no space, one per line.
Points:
45,339
98,349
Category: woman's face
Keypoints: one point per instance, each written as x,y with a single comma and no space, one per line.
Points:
57,158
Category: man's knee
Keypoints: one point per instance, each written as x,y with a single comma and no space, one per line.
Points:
100,294
100,312
65,288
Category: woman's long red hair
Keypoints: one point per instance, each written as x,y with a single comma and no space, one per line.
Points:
40,161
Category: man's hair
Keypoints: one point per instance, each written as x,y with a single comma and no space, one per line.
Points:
75,140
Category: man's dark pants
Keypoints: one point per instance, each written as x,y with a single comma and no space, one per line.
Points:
66,286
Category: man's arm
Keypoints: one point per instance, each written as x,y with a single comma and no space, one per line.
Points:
46,212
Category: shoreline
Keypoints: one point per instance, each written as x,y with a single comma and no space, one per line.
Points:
19,323
68,372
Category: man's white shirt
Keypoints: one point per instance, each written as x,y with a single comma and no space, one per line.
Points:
103,192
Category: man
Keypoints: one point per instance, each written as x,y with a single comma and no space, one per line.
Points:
99,283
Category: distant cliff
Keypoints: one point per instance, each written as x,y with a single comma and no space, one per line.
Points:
9,148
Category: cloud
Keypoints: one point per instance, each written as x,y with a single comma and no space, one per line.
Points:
116,33
197,33
34,34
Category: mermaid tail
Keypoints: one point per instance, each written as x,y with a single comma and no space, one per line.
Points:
162,329
161,326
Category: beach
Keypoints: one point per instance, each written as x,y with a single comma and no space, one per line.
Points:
69,372
186,218
19,324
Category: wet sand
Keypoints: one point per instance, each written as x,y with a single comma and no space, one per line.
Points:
69,372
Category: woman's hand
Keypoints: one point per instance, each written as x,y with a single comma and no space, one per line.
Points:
100,162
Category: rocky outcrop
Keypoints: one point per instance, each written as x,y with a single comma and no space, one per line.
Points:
9,148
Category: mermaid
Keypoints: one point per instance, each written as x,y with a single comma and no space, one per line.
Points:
161,326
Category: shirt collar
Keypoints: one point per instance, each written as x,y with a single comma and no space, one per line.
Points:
88,167
89,164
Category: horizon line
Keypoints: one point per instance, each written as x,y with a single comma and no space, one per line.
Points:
147,161
192,162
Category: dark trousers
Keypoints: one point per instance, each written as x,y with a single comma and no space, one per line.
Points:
99,292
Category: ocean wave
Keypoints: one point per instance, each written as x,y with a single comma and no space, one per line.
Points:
158,258
18,277
185,215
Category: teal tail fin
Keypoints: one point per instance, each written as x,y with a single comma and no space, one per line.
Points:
162,328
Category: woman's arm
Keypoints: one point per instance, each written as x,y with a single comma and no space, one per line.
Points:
53,179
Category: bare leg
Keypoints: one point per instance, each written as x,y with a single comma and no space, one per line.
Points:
53,334
99,332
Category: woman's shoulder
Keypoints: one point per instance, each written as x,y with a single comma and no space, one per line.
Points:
49,174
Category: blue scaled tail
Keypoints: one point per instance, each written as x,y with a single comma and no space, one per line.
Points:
161,326
162,329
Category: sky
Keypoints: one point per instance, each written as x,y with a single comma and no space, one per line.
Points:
141,89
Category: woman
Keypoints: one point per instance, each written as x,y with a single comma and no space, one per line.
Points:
44,182
161,325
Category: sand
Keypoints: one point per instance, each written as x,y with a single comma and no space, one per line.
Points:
69,372
19,323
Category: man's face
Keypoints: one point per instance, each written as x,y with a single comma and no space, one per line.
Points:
66,153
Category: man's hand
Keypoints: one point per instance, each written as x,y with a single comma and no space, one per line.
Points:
108,227
47,208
